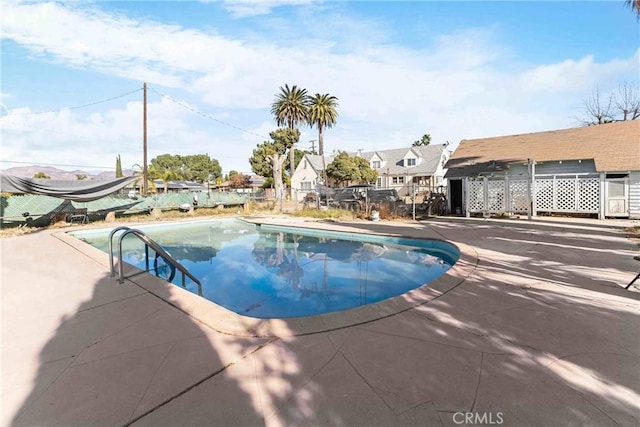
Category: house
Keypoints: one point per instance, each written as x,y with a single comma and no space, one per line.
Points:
399,169
588,170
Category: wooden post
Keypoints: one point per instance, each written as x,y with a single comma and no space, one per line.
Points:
145,183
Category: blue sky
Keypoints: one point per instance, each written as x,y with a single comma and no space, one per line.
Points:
455,70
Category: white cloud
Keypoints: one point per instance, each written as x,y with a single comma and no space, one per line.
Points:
575,75
246,8
454,87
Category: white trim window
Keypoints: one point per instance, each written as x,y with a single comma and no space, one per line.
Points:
397,180
305,185
411,161
375,164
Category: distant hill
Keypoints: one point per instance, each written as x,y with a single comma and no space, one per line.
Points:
55,173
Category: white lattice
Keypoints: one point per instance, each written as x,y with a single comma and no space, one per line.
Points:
475,192
570,194
518,195
544,195
495,196
565,195
589,195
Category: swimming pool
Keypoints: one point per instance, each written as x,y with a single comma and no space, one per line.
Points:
282,272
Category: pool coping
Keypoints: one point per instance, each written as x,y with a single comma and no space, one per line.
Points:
228,322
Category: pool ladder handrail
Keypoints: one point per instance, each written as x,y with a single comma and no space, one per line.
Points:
149,243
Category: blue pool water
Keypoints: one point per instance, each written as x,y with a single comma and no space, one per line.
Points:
280,272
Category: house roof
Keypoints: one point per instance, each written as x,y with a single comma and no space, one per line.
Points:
430,155
612,146
315,160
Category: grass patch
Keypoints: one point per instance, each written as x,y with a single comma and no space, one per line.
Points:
324,214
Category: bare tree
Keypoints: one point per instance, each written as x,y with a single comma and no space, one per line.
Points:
615,107
596,110
627,102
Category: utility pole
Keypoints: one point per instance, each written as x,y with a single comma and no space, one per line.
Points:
145,184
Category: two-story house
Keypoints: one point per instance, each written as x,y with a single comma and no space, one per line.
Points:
400,168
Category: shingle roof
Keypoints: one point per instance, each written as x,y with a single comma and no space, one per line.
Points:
430,155
315,160
612,146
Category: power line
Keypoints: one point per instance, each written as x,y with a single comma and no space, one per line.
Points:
204,114
76,107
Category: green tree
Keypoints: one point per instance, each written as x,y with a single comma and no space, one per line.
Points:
198,167
345,168
290,108
322,114
118,167
166,175
81,176
138,173
424,141
269,157
41,175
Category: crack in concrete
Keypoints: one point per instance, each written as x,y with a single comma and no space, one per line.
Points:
155,373
197,383
475,396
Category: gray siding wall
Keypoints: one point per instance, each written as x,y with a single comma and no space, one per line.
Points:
566,167
634,195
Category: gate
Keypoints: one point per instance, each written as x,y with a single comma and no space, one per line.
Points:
496,195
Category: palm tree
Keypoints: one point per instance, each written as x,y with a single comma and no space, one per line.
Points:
634,5
138,172
165,175
322,114
291,108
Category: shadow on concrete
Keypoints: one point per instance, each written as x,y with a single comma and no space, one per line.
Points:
541,333
123,353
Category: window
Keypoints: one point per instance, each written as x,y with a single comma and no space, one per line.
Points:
376,164
397,180
616,188
411,162
379,182
305,185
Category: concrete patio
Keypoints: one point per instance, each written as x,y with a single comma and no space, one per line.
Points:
532,328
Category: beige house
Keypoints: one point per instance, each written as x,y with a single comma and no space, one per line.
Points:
587,170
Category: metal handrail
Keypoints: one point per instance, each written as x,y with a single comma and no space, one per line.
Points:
149,243
111,234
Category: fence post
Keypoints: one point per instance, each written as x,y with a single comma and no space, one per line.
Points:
466,197
529,179
413,199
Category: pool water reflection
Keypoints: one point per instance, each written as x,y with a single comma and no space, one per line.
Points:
276,272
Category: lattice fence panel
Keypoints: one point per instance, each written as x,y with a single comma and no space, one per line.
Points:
475,192
565,194
496,196
589,195
518,195
544,194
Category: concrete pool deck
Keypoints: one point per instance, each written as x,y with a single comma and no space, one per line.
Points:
532,328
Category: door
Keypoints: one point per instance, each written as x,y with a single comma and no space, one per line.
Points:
616,197
456,196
